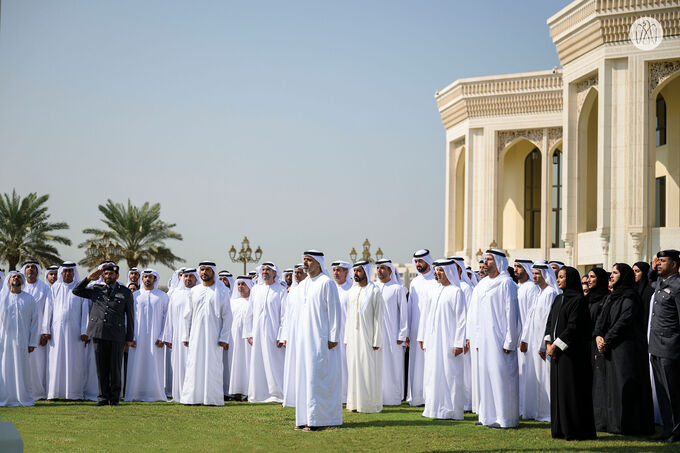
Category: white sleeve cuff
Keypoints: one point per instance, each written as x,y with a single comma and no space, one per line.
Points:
547,338
560,344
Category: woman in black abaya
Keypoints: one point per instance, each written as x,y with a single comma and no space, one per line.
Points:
597,291
569,332
621,336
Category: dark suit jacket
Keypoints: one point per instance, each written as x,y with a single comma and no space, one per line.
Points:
664,333
109,312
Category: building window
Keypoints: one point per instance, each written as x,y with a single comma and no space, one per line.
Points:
532,200
660,121
556,215
660,205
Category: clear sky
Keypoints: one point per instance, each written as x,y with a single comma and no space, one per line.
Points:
302,124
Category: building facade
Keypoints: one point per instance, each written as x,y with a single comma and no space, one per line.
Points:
579,164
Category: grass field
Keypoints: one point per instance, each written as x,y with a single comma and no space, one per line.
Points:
164,427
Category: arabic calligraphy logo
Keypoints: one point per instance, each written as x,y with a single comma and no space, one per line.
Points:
646,33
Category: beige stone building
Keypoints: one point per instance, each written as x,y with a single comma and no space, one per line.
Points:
579,164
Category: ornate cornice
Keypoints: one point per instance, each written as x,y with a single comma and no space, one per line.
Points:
660,71
504,95
585,25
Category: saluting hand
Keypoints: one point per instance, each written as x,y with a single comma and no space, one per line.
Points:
95,275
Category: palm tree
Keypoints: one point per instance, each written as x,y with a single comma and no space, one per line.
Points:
135,234
25,230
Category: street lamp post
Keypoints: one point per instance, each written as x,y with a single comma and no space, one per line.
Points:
245,255
366,253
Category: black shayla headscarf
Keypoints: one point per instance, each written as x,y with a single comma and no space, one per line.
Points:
573,287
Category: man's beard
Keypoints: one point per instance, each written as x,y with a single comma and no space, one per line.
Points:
359,280
205,278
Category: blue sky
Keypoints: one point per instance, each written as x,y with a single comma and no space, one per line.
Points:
303,124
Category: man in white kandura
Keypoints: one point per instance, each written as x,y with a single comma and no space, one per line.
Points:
227,279
444,343
64,331
173,332
395,331
466,285
363,338
526,293
267,303
317,359
240,347
535,396
146,358
418,298
287,336
19,333
342,275
38,358
207,333
497,334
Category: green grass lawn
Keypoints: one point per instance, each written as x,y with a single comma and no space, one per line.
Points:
162,427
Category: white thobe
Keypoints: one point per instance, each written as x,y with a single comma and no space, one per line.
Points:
38,358
444,372
363,333
395,328
240,348
146,361
19,330
265,382
173,333
470,335
526,293
207,322
342,295
498,328
288,331
91,387
417,299
535,377
226,359
467,360
65,319
318,369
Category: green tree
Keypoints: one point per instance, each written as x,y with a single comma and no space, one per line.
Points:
25,230
135,234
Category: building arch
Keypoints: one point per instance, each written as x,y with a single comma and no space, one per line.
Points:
556,182
520,194
665,152
460,170
587,158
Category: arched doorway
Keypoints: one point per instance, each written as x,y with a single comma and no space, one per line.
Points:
666,142
520,195
459,240
587,163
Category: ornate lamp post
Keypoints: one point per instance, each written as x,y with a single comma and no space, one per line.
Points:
245,255
366,253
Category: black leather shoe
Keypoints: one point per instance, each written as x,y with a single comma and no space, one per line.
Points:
102,403
114,403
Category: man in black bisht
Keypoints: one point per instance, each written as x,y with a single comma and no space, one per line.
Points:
621,337
567,339
664,342
112,306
